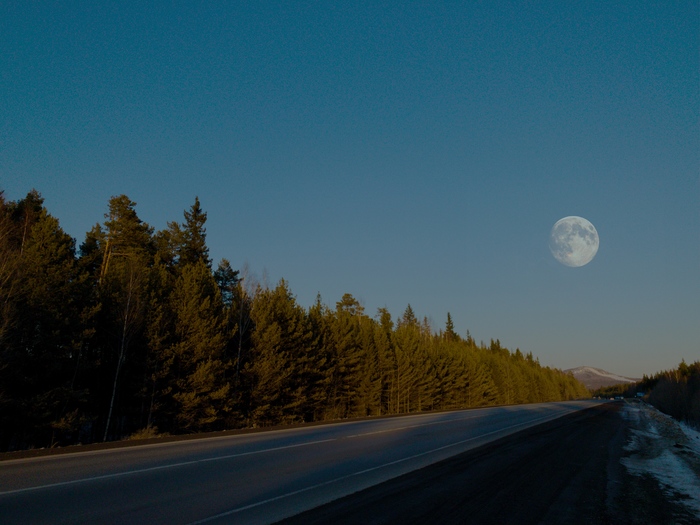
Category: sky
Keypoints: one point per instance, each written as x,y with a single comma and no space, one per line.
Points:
407,153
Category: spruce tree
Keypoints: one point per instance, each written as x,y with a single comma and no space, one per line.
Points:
346,356
450,333
370,386
189,239
281,373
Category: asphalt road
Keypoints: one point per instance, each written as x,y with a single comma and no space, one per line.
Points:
252,478
564,471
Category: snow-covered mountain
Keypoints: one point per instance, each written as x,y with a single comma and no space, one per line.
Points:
595,378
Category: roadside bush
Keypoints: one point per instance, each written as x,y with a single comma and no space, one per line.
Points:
145,433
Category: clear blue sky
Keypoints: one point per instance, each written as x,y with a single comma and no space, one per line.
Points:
415,153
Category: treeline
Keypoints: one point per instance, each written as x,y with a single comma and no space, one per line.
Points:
136,331
623,389
675,392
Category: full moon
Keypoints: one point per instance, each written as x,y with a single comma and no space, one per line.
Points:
573,241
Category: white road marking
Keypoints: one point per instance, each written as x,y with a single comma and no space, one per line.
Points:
162,467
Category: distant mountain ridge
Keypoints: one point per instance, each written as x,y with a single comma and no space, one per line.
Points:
594,378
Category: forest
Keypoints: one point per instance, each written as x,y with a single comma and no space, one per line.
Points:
136,333
675,392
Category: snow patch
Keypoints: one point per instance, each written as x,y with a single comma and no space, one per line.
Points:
665,449
693,437
595,377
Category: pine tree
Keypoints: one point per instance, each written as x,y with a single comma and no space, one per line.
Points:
196,374
160,336
9,273
126,236
24,214
40,332
350,305
230,287
227,280
125,250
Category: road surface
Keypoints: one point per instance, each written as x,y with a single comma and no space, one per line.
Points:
250,478
550,474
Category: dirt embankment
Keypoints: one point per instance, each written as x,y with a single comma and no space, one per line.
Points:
577,469
662,454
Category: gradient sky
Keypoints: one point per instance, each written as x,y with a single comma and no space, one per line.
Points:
416,153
